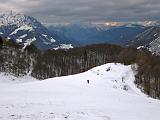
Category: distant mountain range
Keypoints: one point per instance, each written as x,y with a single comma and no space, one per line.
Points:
134,34
26,30
149,39
93,34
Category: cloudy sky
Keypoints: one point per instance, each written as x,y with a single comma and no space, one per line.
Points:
64,11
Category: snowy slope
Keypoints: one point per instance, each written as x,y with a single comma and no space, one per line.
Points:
64,46
107,97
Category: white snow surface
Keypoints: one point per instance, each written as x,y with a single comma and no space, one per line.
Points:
19,40
23,36
110,95
140,47
25,27
64,46
52,40
28,42
12,18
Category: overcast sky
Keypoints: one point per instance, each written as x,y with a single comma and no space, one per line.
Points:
64,11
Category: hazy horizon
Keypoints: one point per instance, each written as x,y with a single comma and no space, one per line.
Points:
85,11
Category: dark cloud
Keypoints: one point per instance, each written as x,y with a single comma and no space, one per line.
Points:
55,11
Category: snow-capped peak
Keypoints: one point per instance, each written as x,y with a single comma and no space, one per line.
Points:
12,18
111,24
145,23
148,23
23,28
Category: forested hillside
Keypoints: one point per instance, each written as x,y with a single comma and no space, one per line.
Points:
53,63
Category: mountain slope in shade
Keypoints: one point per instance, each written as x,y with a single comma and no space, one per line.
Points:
149,39
87,34
155,46
110,95
26,30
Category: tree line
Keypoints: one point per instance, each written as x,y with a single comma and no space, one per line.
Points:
54,63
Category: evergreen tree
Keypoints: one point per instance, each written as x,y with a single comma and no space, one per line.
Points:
1,42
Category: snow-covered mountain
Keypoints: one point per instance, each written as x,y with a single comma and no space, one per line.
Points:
149,39
149,23
154,46
146,23
26,30
120,33
110,95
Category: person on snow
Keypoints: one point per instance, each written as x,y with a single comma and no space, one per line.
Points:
88,81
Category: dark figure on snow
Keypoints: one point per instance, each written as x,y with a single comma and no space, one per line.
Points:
108,69
88,81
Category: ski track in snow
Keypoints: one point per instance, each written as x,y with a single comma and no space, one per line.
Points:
110,95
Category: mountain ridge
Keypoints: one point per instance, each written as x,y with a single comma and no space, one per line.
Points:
94,34
26,30
148,39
